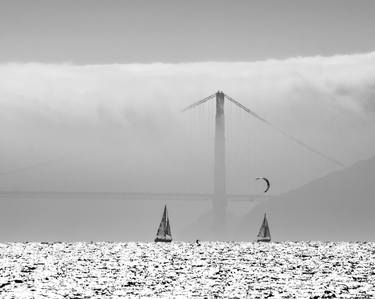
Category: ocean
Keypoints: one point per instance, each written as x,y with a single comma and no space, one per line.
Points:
181,270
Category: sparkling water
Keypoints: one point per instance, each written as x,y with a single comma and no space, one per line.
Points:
177,269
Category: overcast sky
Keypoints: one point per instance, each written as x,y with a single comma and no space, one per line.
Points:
91,93
91,31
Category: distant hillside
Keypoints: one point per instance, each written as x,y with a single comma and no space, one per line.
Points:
339,206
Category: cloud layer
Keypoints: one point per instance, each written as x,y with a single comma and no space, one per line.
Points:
121,125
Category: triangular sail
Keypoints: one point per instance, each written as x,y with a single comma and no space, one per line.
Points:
162,224
164,230
168,229
264,231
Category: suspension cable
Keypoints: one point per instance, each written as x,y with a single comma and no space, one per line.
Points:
299,142
199,102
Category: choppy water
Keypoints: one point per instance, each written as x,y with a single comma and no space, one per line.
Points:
113,270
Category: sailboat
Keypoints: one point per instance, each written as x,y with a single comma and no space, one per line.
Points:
264,234
164,232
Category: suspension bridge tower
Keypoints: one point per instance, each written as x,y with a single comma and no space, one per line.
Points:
219,196
219,200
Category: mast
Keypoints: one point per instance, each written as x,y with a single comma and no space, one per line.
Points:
219,202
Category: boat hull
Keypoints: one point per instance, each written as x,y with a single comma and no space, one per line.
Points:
163,240
264,240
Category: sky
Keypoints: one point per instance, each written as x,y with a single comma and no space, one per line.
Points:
91,94
96,32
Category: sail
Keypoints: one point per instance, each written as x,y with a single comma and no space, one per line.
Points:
162,226
168,229
264,231
164,230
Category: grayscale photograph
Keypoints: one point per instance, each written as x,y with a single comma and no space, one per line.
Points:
187,149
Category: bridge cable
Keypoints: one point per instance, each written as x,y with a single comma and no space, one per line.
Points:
299,142
199,102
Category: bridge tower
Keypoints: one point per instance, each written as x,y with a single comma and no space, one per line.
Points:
219,200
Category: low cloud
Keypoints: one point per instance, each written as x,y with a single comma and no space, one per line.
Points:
115,117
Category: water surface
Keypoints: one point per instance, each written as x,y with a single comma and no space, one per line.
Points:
225,269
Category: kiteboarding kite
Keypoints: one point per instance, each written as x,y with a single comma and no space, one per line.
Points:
267,182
